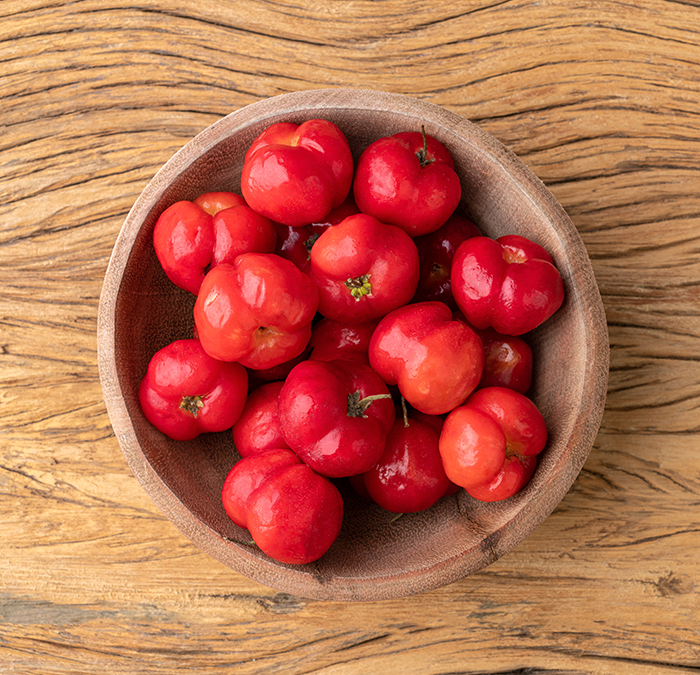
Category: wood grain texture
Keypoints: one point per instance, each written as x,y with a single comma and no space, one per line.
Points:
599,98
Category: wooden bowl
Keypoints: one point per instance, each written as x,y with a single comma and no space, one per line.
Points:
373,558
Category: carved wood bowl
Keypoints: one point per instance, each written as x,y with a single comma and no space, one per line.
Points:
373,558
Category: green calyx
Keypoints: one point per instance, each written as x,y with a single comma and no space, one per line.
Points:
359,287
192,404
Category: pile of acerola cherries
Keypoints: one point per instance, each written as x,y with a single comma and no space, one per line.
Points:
350,324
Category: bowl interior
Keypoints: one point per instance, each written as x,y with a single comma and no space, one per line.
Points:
375,557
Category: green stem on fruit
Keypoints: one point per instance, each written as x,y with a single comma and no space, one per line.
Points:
358,406
309,243
405,412
396,517
359,286
422,154
192,404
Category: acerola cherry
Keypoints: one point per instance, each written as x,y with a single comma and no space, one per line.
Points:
509,284
213,202
435,360
295,515
183,239
436,251
409,475
507,359
335,415
257,311
247,475
407,180
483,441
258,427
335,340
189,238
295,243
292,513
296,174
363,269
186,392
239,229
514,475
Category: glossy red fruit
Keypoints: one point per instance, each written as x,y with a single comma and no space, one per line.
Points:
512,477
332,340
189,238
436,251
213,202
435,360
335,415
409,476
256,311
275,373
247,475
186,392
436,422
295,515
295,243
296,174
363,269
509,284
258,426
407,180
183,239
239,229
508,361
483,441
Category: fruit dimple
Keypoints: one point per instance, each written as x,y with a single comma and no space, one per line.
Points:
512,255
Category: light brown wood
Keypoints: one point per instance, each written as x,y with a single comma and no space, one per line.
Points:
599,99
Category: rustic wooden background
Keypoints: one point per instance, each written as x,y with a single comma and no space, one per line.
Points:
600,98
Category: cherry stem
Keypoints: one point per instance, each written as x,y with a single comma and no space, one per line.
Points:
358,406
422,154
405,412
309,243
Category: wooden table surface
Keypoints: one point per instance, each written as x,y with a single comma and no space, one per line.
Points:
601,99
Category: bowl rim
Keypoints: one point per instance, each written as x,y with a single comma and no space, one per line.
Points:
300,581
